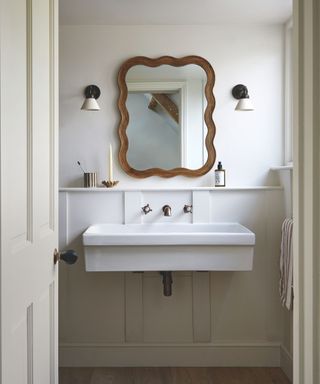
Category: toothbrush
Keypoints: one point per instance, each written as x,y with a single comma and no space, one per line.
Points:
78,162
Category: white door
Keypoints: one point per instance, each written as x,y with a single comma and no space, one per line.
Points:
28,85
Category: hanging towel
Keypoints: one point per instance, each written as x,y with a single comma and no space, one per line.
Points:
286,265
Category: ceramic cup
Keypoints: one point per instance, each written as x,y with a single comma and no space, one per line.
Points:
90,179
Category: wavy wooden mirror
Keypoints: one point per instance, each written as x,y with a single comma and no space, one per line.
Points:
166,127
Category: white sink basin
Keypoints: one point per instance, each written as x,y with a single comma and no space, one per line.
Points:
168,247
168,234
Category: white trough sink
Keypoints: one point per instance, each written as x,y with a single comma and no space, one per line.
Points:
168,247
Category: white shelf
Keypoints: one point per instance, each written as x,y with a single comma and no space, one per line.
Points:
173,189
282,168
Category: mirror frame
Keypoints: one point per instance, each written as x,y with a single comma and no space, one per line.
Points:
124,115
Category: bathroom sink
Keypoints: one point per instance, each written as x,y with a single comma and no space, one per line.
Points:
168,247
168,234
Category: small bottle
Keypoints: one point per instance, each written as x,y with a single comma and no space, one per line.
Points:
220,176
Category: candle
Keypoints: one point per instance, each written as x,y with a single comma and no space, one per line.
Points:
110,164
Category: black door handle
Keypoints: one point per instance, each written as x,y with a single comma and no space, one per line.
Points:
69,256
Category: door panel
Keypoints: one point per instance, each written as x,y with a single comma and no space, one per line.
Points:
28,179
42,332
43,149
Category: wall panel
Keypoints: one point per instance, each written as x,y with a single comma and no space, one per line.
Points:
222,311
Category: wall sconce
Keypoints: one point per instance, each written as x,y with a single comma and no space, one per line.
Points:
240,92
92,93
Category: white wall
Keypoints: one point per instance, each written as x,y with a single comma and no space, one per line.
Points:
247,143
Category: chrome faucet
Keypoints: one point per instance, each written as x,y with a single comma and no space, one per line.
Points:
166,210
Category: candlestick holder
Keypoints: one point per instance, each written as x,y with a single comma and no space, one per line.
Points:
109,183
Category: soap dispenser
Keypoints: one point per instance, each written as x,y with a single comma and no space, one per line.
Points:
220,176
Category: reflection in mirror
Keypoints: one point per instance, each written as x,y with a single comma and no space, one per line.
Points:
163,129
166,109
154,130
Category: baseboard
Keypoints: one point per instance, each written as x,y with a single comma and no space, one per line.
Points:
147,355
286,362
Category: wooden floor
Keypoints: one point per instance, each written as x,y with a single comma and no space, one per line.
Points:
183,375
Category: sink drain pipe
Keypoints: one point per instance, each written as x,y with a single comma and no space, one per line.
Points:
167,282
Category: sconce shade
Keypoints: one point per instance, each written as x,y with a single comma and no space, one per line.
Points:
240,92
90,104
244,105
92,93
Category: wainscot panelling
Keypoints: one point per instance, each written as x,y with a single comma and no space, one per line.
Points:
201,206
176,200
134,307
285,177
201,307
168,319
132,200
212,318
252,296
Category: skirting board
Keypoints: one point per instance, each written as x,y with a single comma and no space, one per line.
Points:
179,355
286,363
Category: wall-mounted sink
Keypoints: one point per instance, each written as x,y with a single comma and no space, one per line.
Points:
168,247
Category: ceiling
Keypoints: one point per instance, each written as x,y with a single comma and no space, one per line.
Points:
174,12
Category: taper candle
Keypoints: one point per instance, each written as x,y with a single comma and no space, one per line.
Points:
110,164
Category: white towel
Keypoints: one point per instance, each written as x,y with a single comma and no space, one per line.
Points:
286,265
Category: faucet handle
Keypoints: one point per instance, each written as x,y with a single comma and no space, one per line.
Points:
187,208
146,209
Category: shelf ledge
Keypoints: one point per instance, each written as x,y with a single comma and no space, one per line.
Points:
282,168
173,189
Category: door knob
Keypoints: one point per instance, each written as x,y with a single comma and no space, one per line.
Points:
69,256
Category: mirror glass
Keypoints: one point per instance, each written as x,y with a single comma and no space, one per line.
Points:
166,126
